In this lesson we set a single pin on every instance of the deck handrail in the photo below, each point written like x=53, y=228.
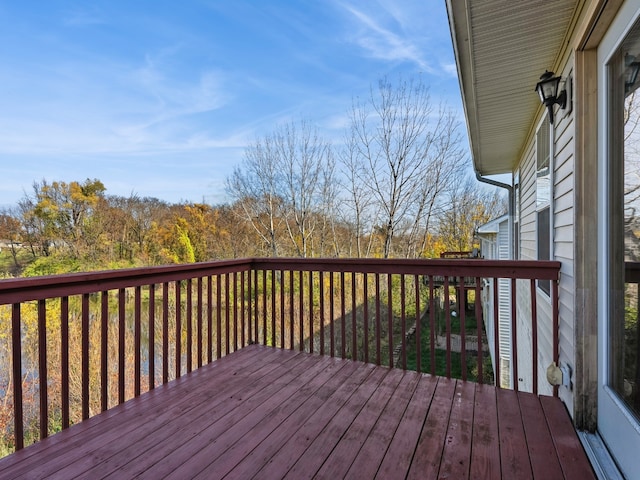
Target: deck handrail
x=195, y=313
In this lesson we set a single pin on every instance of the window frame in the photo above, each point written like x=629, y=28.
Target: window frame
x=544, y=196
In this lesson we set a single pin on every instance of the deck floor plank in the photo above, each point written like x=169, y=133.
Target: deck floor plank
x=107, y=429
x=270, y=460
x=428, y=454
x=56, y=443
x=339, y=461
x=400, y=453
x=456, y=456
x=324, y=443
x=215, y=425
x=514, y=459
x=249, y=456
x=376, y=444
x=263, y=413
x=544, y=460
x=223, y=455
x=573, y=459
x=485, y=443
x=114, y=455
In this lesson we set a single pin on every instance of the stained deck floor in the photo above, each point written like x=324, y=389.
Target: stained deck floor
x=268, y=413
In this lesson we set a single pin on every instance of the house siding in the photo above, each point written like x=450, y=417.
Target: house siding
x=504, y=295
x=588, y=55
x=564, y=234
x=528, y=206
x=528, y=251
x=495, y=246
x=562, y=250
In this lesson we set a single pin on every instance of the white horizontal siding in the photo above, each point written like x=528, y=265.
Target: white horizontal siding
x=564, y=237
x=528, y=252
x=504, y=292
x=563, y=250
x=528, y=249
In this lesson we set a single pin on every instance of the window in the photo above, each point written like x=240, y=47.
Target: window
x=624, y=223
x=543, y=196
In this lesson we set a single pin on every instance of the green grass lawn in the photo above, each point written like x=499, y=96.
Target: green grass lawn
x=441, y=355
x=7, y=264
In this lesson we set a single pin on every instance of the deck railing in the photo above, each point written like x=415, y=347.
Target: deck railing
x=74, y=345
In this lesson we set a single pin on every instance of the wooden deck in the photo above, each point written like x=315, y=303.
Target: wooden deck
x=268, y=413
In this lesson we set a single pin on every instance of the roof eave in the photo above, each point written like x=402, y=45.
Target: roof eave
x=498, y=70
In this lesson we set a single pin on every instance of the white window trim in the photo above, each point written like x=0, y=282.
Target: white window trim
x=614, y=423
x=551, y=202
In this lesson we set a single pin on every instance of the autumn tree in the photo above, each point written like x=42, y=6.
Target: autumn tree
x=233, y=238
x=60, y=213
x=11, y=230
x=469, y=206
x=127, y=223
x=178, y=247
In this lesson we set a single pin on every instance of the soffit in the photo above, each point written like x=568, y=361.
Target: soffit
x=502, y=47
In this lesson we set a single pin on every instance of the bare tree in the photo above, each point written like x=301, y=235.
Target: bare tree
x=257, y=187
x=410, y=153
x=304, y=157
x=280, y=185
x=329, y=209
x=631, y=159
x=444, y=171
x=358, y=203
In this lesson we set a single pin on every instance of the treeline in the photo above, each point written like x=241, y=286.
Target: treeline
x=64, y=227
x=395, y=187
x=76, y=226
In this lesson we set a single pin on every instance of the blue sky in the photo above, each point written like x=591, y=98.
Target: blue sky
x=159, y=98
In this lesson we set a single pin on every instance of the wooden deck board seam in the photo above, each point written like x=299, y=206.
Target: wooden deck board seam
x=263, y=392
x=353, y=399
x=401, y=391
x=287, y=408
x=294, y=442
x=364, y=421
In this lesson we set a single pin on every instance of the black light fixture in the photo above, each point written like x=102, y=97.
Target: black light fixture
x=547, y=88
x=632, y=68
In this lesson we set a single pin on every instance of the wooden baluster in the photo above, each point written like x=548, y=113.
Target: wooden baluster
x=42, y=368
x=64, y=354
x=416, y=280
x=16, y=347
x=152, y=336
x=354, y=318
x=137, y=336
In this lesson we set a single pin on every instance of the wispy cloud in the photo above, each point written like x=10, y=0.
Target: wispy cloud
x=168, y=97
x=383, y=43
x=114, y=107
x=164, y=100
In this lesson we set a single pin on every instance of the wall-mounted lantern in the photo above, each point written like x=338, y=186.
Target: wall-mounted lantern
x=547, y=88
x=632, y=68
